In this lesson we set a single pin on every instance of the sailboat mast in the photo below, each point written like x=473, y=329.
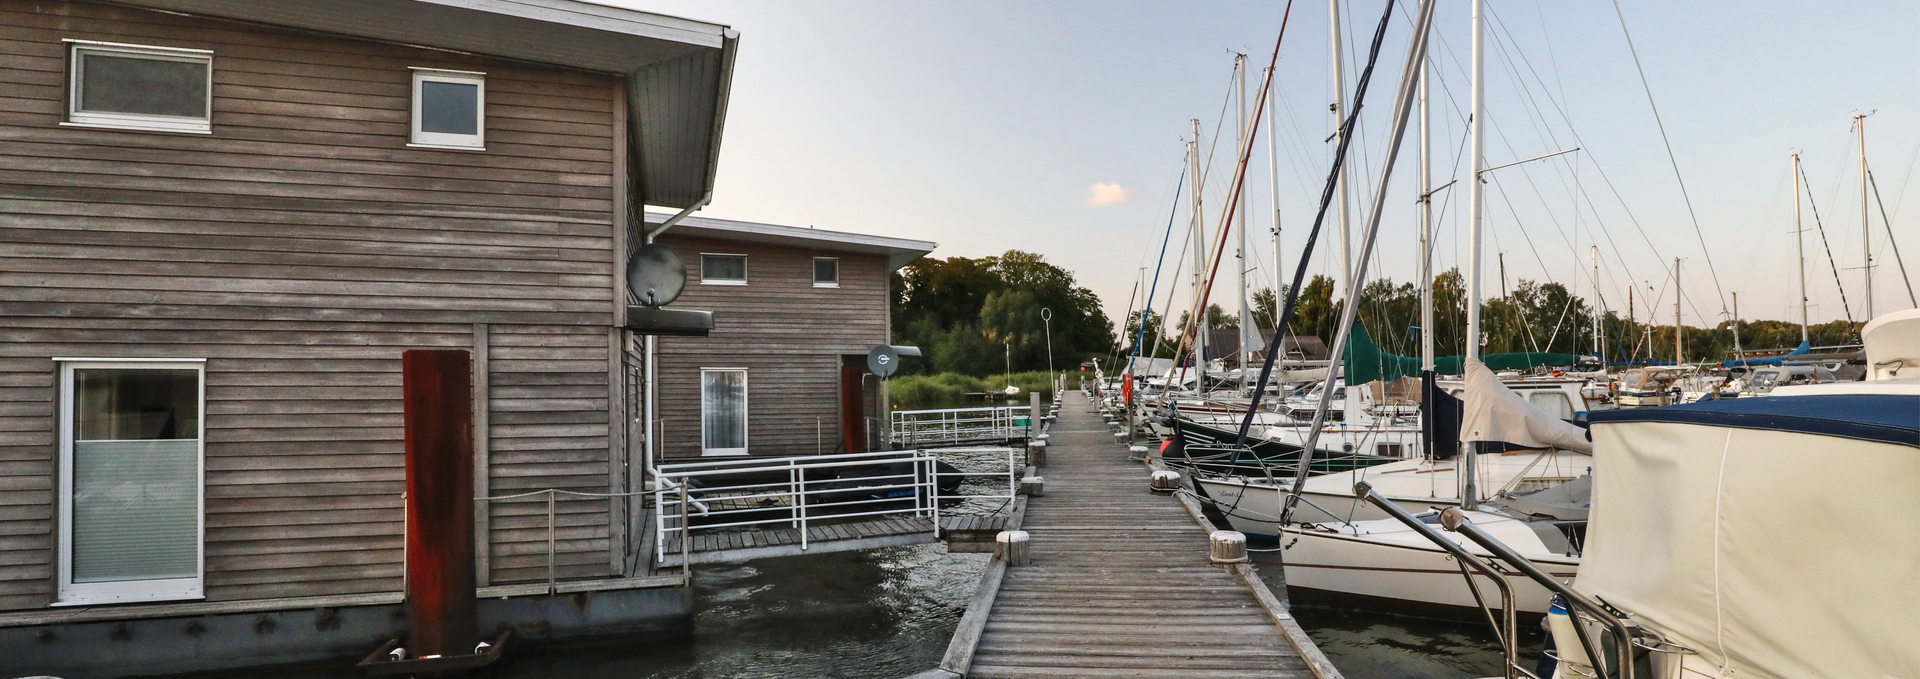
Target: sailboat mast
x=1240, y=250
x=1273, y=175
x=1599, y=306
x=1737, y=351
x=1866, y=229
x=1199, y=233
x=1339, y=115
x=1469, y=491
x=1679, y=357
x=1426, y=222
x=1799, y=250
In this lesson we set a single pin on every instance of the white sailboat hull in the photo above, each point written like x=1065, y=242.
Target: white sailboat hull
x=1252, y=505
x=1393, y=569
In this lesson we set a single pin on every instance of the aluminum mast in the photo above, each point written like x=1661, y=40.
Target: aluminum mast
x=1469, y=491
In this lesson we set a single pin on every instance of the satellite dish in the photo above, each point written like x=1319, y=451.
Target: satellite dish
x=883, y=360
x=656, y=274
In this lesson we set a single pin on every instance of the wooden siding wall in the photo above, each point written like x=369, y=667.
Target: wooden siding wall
x=788, y=334
x=299, y=249
x=549, y=397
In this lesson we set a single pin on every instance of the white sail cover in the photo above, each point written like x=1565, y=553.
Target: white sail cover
x=1155, y=367
x=1772, y=553
x=1492, y=412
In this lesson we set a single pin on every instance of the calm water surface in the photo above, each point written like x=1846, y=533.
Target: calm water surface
x=886, y=614
x=889, y=613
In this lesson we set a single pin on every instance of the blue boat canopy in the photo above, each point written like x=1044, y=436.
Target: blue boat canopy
x=1883, y=418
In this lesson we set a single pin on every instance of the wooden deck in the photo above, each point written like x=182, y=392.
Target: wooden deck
x=1120, y=583
x=728, y=545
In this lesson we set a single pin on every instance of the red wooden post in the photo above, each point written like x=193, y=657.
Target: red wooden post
x=438, y=395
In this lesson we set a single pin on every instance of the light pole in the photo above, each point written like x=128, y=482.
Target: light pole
x=1046, y=316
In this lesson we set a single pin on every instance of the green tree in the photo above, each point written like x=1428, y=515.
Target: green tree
x=963, y=304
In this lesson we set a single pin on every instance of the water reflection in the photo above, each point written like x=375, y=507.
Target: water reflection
x=1378, y=644
x=884, y=614
x=889, y=613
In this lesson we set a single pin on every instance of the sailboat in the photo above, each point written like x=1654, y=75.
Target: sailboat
x=1716, y=548
x=1387, y=560
x=1536, y=508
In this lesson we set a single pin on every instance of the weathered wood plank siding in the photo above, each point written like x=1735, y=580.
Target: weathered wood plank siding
x=549, y=429
x=300, y=248
x=789, y=336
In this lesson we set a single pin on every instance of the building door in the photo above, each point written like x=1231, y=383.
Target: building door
x=853, y=411
x=131, y=470
x=723, y=411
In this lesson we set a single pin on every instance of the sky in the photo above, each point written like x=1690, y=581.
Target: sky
x=1060, y=128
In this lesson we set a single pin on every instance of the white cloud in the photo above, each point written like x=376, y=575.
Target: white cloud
x=1107, y=194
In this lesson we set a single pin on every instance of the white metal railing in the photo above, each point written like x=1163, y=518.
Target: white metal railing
x=954, y=425
x=798, y=492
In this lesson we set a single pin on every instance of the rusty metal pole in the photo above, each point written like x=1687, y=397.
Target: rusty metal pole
x=438, y=401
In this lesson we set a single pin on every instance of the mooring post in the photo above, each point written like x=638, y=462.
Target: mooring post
x=438, y=403
x=1033, y=413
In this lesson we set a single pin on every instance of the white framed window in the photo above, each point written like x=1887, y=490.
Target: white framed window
x=826, y=272
x=132, y=480
x=723, y=411
x=723, y=269
x=449, y=109
x=139, y=87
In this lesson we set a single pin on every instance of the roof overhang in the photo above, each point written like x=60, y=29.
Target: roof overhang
x=898, y=251
x=678, y=71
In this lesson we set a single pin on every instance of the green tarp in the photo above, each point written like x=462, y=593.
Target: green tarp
x=1365, y=362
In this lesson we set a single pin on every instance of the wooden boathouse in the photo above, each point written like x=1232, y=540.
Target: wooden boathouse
x=225, y=220
x=783, y=371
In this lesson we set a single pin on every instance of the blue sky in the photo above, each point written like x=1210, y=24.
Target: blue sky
x=984, y=126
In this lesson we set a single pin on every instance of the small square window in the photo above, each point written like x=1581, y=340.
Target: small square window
x=449, y=109
x=826, y=272
x=162, y=89
x=723, y=269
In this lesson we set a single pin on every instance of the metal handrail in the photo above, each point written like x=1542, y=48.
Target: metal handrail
x=1506, y=629
x=911, y=427
x=1455, y=520
x=803, y=496
x=552, y=531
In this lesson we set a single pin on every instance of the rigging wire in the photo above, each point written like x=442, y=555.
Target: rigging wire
x=1239, y=186
x=1319, y=220
x=1146, y=311
x=1706, y=252
x=1890, y=240
x=1823, y=243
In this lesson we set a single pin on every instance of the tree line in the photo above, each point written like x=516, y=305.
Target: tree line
x=1532, y=316
x=971, y=315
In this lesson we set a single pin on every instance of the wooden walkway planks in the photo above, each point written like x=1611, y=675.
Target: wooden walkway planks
x=1120, y=584
x=742, y=545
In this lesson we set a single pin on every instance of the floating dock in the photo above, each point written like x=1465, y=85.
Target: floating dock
x=1120, y=583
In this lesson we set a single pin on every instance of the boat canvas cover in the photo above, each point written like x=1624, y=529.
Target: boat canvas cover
x=1772, y=535
x=1365, y=362
x=1156, y=367
x=1492, y=412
